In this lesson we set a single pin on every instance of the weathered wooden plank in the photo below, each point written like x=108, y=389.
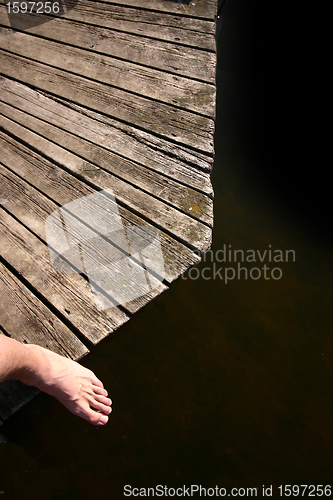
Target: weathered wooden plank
x=182, y=126
x=23, y=200
x=32, y=208
x=173, y=161
x=193, y=203
x=26, y=319
x=195, y=8
x=172, y=58
x=70, y=294
x=58, y=186
x=184, y=228
x=175, y=90
x=172, y=28
x=169, y=27
x=195, y=161
x=95, y=150
x=24, y=162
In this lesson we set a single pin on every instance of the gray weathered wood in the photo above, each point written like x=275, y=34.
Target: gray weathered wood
x=32, y=208
x=169, y=27
x=175, y=90
x=70, y=294
x=112, y=94
x=26, y=319
x=196, y=8
x=175, y=59
x=186, y=199
x=182, y=126
x=176, y=162
x=26, y=163
x=135, y=20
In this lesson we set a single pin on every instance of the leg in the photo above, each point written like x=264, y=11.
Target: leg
x=76, y=387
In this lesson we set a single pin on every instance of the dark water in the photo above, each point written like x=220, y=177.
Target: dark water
x=215, y=383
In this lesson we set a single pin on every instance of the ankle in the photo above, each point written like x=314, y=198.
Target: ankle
x=35, y=367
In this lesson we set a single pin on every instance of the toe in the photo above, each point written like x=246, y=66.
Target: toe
x=103, y=420
x=96, y=381
x=100, y=390
x=103, y=399
x=101, y=407
x=96, y=418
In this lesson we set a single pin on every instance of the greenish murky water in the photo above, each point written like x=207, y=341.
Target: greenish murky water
x=214, y=383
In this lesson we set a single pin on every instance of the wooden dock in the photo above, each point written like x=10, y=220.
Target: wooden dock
x=104, y=95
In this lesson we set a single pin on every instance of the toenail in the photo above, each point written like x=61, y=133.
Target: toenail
x=103, y=420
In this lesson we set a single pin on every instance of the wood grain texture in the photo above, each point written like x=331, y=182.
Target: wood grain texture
x=169, y=57
x=111, y=94
x=197, y=33
x=187, y=230
x=70, y=294
x=175, y=90
x=26, y=319
x=174, y=161
x=195, y=8
x=59, y=186
x=178, y=125
x=31, y=208
x=177, y=29
x=186, y=199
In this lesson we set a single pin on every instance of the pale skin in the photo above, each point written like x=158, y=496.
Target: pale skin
x=76, y=387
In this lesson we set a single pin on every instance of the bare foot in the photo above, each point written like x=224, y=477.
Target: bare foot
x=76, y=387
